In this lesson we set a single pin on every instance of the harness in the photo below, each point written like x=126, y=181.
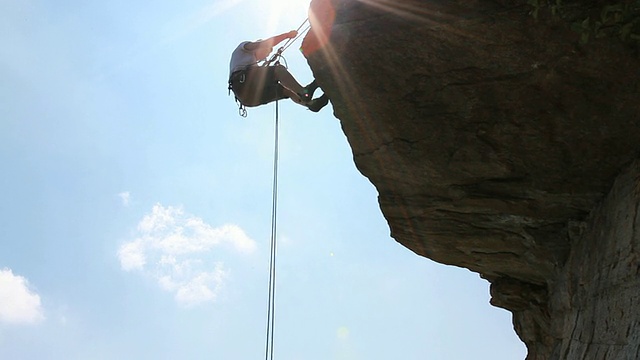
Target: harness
x=240, y=76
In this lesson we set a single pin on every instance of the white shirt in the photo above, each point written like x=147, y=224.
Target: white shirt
x=241, y=58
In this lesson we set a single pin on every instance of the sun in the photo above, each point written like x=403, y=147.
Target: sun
x=287, y=14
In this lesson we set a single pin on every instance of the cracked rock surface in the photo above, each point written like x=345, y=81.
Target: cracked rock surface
x=493, y=138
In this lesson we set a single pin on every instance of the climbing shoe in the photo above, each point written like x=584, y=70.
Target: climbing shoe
x=307, y=92
x=305, y=97
x=316, y=104
x=310, y=89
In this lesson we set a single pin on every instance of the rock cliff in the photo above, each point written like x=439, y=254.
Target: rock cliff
x=502, y=137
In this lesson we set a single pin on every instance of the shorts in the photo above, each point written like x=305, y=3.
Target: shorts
x=256, y=85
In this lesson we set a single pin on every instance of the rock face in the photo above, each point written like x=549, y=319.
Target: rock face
x=494, y=132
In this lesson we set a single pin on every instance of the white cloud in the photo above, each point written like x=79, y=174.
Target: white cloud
x=177, y=250
x=202, y=287
x=18, y=304
x=132, y=255
x=125, y=196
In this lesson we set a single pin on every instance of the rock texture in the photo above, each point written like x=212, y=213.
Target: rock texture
x=493, y=132
x=594, y=302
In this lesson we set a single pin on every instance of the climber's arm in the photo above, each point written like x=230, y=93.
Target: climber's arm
x=270, y=42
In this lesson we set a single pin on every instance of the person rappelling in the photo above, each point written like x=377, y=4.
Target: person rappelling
x=255, y=85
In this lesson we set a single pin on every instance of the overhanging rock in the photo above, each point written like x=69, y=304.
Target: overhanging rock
x=491, y=131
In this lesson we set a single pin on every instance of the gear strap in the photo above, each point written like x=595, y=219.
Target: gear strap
x=239, y=76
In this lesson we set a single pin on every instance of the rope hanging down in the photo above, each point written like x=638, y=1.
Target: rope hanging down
x=271, y=306
x=271, y=312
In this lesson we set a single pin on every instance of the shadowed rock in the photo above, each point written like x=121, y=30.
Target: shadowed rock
x=493, y=131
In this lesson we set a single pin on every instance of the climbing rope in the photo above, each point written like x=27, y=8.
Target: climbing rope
x=278, y=54
x=301, y=33
x=271, y=306
x=271, y=312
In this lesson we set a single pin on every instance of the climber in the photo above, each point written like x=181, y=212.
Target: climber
x=255, y=85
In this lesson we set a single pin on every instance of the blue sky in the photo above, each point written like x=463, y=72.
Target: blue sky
x=136, y=203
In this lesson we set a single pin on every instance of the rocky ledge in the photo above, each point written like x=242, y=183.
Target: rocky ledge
x=502, y=137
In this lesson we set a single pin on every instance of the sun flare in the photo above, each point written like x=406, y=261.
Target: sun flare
x=287, y=14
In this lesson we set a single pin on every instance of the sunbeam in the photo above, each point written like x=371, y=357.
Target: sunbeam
x=429, y=14
x=321, y=39
x=321, y=17
x=408, y=10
